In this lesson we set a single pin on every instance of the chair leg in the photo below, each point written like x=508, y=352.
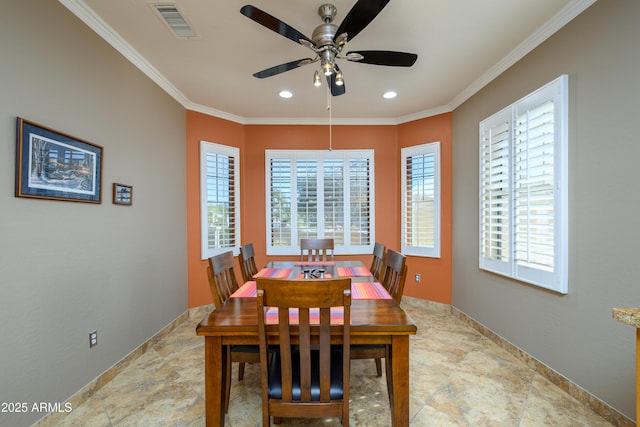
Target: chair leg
x=378, y=367
x=240, y=371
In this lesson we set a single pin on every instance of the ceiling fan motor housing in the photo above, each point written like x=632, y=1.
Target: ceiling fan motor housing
x=323, y=35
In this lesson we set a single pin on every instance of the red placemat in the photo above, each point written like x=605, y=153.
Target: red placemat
x=353, y=271
x=359, y=290
x=337, y=314
x=248, y=290
x=368, y=290
x=274, y=273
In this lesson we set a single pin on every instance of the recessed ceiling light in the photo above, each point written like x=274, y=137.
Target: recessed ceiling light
x=285, y=94
x=389, y=95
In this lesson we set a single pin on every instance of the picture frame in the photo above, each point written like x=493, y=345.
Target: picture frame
x=56, y=166
x=122, y=194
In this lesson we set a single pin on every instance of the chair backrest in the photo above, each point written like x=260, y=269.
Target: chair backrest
x=311, y=339
x=394, y=274
x=378, y=260
x=316, y=249
x=222, y=277
x=247, y=262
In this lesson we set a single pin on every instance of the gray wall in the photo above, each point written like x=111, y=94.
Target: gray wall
x=68, y=268
x=573, y=334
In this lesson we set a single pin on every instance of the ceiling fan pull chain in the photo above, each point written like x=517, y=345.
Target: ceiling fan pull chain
x=329, y=108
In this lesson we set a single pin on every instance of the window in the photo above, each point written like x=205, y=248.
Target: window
x=219, y=198
x=523, y=189
x=319, y=194
x=421, y=200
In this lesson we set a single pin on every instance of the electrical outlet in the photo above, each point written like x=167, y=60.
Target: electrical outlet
x=418, y=277
x=93, y=338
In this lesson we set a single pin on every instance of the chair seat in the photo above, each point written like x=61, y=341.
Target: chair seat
x=275, y=377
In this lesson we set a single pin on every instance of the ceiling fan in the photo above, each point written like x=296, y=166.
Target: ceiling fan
x=328, y=40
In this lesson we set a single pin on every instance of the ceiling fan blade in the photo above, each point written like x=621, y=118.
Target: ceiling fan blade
x=384, y=57
x=360, y=15
x=336, y=90
x=282, y=68
x=273, y=23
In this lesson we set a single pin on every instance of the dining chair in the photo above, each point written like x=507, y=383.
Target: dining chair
x=378, y=260
x=316, y=249
x=307, y=377
x=394, y=274
x=223, y=283
x=247, y=262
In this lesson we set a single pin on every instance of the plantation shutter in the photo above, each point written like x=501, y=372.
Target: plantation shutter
x=280, y=198
x=333, y=171
x=534, y=187
x=359, y=202
x=219, y=199
x=421, y=200
x=319, y=194
x=307, y=199
x=495, y=193
x=523, y=189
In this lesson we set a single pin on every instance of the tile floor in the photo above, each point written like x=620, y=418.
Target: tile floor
x=458, y=378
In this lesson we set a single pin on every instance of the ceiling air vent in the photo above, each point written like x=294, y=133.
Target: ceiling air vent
x=174, y=19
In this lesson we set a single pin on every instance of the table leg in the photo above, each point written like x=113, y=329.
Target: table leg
x=399, y=399
x=214, y=373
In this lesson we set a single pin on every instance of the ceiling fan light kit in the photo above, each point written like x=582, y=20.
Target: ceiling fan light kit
x=328, y=41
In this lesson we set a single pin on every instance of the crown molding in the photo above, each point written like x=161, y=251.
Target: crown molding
x=97, y=24
x=104, y=30
x=559, y=20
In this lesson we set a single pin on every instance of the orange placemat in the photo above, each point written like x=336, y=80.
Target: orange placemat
x=274, y=273
x=359, y=290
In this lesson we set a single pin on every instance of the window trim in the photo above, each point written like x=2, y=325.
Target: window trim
x=557, y=280
x=320, y=155
x=422, y=251
x=211, y=147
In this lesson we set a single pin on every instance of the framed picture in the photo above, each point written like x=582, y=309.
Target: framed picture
x=57, y=166
x=122, y=194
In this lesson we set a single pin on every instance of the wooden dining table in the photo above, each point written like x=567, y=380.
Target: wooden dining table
x=373, y=321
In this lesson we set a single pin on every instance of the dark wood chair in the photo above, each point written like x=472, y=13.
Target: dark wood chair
x=316, y=249
x=223, y=283
x=307, y=377
x=247, y=262
x=394, y=274
x=378, y=260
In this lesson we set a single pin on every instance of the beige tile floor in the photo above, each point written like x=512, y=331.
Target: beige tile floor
x=458, y=378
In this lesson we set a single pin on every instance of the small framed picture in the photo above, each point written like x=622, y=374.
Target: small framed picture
x=122, y=194
x=54, y=165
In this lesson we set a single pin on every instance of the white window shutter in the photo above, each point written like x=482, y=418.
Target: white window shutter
x=421, y=200
x=523, y=189
x=219, y=198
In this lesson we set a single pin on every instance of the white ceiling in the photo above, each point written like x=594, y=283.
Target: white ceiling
x=461, y=46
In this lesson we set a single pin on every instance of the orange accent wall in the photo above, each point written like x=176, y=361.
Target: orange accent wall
x=435, y=284
x=253, y=140
x=202, y=127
